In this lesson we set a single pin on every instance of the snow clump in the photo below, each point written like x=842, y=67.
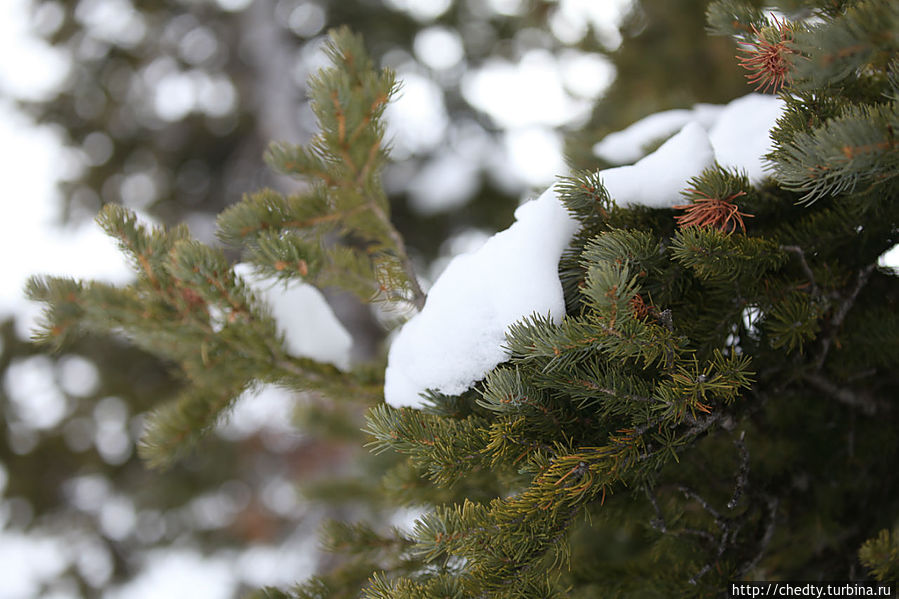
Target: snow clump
x=657, y=180
x=458, y=336
x=738, y=133
x=741, y=137
x=629, y=144
x=303, y=316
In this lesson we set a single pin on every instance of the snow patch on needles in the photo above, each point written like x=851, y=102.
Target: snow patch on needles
x=738, y=133
x=629, y=144
x=303, y=316
x=657, y=180
x=479, y=295
x=741, y=135
x=458, y=336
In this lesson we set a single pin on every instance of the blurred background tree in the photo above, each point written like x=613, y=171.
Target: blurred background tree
x=166, y=108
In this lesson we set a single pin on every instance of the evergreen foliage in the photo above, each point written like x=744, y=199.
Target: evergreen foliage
x=110, y=112
x=710, y=408
x=187, y=304
x=286, y=236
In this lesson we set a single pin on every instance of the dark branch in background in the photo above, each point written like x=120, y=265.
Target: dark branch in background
x=727, y=531
x=690, y=493
x=856, y=400
x=863, y=277
x=743, y=473
x=659, y=521
x=795, y=249
x=772, y=503
x=729, y=527
x=841, y=313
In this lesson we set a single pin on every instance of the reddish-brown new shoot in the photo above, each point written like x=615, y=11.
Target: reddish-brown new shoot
x=712, y=212
x=767, y=61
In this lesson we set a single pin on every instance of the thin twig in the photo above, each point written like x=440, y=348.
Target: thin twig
x=659, y=522
x=728, y=533
x=639, y=430
x=773, y=503
x=805, y=267
x=695, y=579
x=418, y=296
x=743, y=473
x=705, y=504
x=863, y=402
x=700, y=425
x=697, y=533
x=841, y=313
x=726, y=537
x=863, y=277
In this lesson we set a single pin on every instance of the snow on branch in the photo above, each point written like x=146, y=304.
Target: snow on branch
x=459, y=335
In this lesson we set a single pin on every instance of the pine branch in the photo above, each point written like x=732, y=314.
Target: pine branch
x=880, y=555
x=188, y=307
x=855, y=151
x=735, y=18
x=861, y=39
x=716, y=255
x=293, y=237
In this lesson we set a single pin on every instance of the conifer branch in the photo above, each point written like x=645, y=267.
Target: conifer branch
x=853, y=151
x=847, y=46
x=612, y=396
x=418, y=296
x=343, y=163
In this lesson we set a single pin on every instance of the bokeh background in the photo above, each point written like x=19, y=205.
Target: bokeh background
x=166, y=106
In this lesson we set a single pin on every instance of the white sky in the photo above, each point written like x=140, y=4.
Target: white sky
x=30, y=163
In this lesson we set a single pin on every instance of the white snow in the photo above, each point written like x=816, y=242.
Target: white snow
x=741, y=134
x=738, y=133
x=657, y=180
x=265, y=409
x=890, y=259
x=445, y=183
x=458, y=336
x=629, y=144
x=303, y=316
